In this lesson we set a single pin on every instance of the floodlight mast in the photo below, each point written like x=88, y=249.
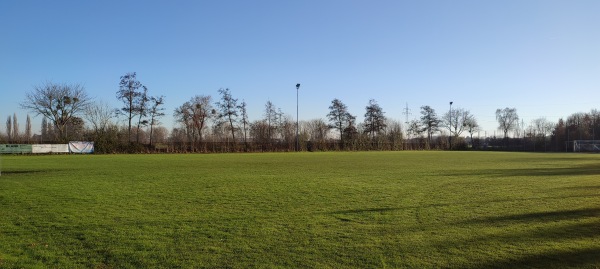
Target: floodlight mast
x=450, y=116
x=297, y=120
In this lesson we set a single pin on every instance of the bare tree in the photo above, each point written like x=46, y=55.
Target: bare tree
x=178, y=136
x=543, y=127
x=316, y=130
x=471, y=126
x=128, y=93
x=160, y=134
x=456, y=120
x=394, y=134
x=270, y=117
x=507, y=119
x=99, y=115
x=219, y=131
x=141, y=109
x=194, y=116
x=59, y=103
x=244, y=119
x=156, y=112
x=228, y=109
x=287, y=129
x=259, y=131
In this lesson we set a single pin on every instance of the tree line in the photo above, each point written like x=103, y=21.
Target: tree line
x=204, y=124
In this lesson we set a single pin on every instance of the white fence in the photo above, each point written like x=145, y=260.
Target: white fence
x=50, y=148
x=72, y=147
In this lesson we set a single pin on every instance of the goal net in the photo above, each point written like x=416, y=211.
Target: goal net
x=586, y=146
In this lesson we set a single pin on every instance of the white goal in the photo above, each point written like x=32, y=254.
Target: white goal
x=586, y=146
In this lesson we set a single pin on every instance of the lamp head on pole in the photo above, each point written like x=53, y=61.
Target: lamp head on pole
x=451, y=103
x=297, y=86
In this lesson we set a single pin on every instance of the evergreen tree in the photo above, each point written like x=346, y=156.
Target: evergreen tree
x=375, y=121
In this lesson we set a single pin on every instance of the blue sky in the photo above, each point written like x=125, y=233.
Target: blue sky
x=541, y=57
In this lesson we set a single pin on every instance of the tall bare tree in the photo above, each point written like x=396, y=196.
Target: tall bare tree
x=507, y=119
x=59, y=103
x=129, y=93
x=141, y=109
x=471, y=126
x=245, y=123
x=271, y=117
x=156, y=112
x=228, y=110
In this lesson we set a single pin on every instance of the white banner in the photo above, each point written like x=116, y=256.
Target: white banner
x=81, y=147
x=50, y=148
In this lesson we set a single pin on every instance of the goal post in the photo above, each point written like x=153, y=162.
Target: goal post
x=586, y=146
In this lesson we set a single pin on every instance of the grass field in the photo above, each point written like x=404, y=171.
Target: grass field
x=301, y=210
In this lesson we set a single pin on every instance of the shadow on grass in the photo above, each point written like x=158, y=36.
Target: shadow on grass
x=544, y=251
x=579, y=228
x=581, y=188
x=535, y=199
x=369, y=210
x=20, y=172
x=583, y=170
x=581, y=258
x=542, y=216
x=570, y=213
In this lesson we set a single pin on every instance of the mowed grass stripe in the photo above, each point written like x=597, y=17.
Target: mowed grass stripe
x=319, y=210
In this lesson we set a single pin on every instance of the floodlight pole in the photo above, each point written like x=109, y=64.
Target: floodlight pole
x=297, y=120
x=450, y=116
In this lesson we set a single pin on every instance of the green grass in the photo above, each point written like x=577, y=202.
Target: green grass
x=305, y=210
